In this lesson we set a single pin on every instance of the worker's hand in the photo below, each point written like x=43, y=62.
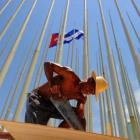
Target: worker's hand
x=56, y=92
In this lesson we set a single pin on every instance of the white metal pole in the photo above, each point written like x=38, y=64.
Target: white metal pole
x=10, y=21
x=133, y=100
x=85, y=51
x=117, y=98
x=76, y=63
x=125, y=117
x=136, y=8
x=106, y=91
x=131, y=46
x=58, y=41
x=125, y=87
x=20, y=78
x=100, y=103
x=15, y=46
x=68, y=55
x=12, y=86
x=89, y=74
x=7, y=43
x=42, y=71
x=133, y=27
x=41, y=63
x=5, y=6
x=72, y=48
x=85, y=59
x=31, y=69
x=103, y=97
x=60, y=51
x=112, y=109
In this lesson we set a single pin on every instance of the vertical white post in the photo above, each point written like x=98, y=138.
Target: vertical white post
x=15, y=46
x=133, y=27
x=72, y=48
x=20, y=78
x=125, y=87
x=106, y=91
x=10, y=21
x=112, y=109
x=12, y=86
x=103, y=97
x=60, y=51
x=117, y=98
x=68, y=55
x=85, y=51
x=131, y=46
x=5, y=6
x=89, y=74
x=100, y=103
x=7, y=42
x=125, y=117
x=58, y=41
x=85, y=59
x=27, y=81
x=41, y=63
x=136, y=8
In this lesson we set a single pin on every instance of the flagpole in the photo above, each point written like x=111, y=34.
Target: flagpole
x=76, y=64
x=31, y=69
x=103, y=97
x=12, y=86
x=136, y=8
x=125, y=117
x=85, y=55
x=100, y=103
x=106, y=91
x=7, y=43
x=68, y=55
x=73, y=47
x=59, y=57
x=89, y=74
x=20, y=78
x=10, y=21
x=133, y=100
x=112, y=109
x=41, y=63
x=58, y=42
x=117, y=98
x=85, y=60
x=42, y=71
x=14, y=47
x=131, y=46
x=1, y=11
x=136, y=120
x=133, y=27
x=60, y=50
x=125, y=87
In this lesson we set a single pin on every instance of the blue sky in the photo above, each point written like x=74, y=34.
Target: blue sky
x=75, y=14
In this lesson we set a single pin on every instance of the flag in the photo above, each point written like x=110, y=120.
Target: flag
x=77, y=34
x=54, y=40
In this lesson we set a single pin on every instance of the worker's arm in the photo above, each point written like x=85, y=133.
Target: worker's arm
x=49, y=68
x=81, y=111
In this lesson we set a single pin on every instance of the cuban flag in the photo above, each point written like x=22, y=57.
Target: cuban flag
x=77, y=34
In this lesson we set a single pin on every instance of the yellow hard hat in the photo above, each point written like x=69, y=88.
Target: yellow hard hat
x=100, y=84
